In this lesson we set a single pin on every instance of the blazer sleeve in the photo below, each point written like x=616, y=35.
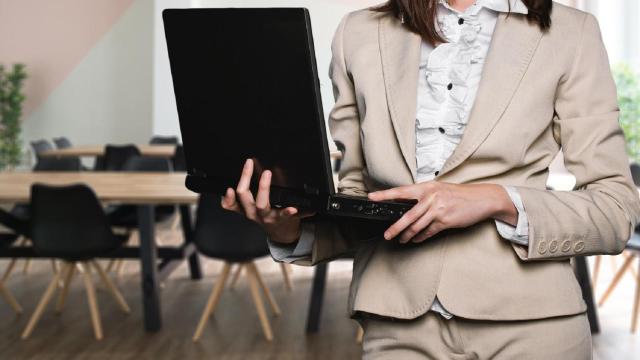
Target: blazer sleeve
x=599, y=215
x=335, y=237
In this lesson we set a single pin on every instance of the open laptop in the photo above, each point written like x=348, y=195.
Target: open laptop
x=246, y=86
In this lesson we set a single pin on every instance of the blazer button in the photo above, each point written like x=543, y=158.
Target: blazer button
x=553, y=246
x=542, y=247
x=566, y=246
x=578, y=247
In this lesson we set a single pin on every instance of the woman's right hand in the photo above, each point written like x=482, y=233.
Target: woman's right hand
x=282, y=225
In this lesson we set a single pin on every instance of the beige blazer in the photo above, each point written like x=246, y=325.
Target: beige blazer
x=539, y=92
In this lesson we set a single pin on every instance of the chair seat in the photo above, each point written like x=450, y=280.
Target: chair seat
x=126, y=216
x=6, y=239
x=229, y=236
x=84, y=254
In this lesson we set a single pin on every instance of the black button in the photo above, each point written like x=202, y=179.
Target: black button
x=441, y=130
x=450, y=86
x=437, y=172
x=460, y=21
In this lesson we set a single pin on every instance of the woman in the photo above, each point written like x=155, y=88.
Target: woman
x=462, y=105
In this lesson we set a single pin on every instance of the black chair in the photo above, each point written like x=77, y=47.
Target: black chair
x=6, y=240
x=126, y=216
x=40, y=146
x=632, y=251
x=68, y=223
x=58, y=164
x=163, y=140
x=116, y=156
x=230, y=237
x=179, y=161
x=62, y=142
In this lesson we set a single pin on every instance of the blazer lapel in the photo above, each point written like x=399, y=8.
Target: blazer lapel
x=400, y=53
x=512, y=47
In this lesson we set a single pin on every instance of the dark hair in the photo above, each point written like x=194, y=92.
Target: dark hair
x=419, y=15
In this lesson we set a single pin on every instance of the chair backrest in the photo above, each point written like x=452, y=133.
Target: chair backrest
x=115, y=156
x=68, y=222
x=163, y=140
x=635, y=173
x=179, y=161
x=58, y=164
x=145, y=163
x=62, y=142
x=40, y=146
x=225, y=234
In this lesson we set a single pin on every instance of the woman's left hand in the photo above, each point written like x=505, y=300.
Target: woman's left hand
x=445, y=205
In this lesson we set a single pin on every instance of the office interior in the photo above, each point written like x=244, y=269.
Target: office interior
x=95, y=76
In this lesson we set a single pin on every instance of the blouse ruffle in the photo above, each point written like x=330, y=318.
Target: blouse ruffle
x=443, y=112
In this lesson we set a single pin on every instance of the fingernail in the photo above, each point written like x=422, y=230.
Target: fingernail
x=386, y=236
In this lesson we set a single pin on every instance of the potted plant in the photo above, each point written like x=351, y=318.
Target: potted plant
x=629, y=100
x=11, y=100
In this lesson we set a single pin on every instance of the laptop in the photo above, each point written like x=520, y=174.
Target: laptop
x=246, y=86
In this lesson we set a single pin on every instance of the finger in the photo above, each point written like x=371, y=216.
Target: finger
x=407, y=219
x=428, y=232
x=289, y=211
x=262, y=199
x=418, y=228
x=401, y=192
x=228, y=201
x=245, y=176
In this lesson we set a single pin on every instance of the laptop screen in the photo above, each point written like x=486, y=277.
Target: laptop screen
x=246, y=86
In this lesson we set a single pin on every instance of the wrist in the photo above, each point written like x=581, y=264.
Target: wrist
x=502, y=207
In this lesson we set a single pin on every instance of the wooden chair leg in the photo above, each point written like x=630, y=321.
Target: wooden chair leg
x=626, y=254
x=93, y=302
x=27, y=266
x=110, y=265
x=616, y=279
x=255, y=293
x=68, y=269
x=359, y=335
x=636, y=302
x=10, y=299
x=212, y=302
x=236, y=275
x=596, y=272
x=44, y=301
x=117, y=295
x=265, y=289
x=9, y=270
x=119, y=268
x=285, y=274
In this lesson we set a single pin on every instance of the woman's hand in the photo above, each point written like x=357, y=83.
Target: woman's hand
x=282, y=225
x=444, y=205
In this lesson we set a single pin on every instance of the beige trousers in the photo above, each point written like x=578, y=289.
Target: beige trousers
x=433, y=337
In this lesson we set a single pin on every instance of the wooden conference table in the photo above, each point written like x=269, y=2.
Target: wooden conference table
x=165, y=151
x=141, y=189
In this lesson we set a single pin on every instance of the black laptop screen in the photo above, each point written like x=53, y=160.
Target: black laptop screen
x=246, y=86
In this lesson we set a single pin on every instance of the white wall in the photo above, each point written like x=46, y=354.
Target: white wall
x=325, y=15
x=107, y=98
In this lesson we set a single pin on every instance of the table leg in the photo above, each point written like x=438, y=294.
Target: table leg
x=584, y=279
x=149, y=266
x=187, y=231
x=317, y=297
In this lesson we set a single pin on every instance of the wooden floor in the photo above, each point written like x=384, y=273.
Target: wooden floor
x=234, y=330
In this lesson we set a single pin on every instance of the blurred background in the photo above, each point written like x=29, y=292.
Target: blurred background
x=94, y=76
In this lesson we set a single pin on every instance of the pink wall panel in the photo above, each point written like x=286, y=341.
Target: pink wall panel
x=51, y=37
